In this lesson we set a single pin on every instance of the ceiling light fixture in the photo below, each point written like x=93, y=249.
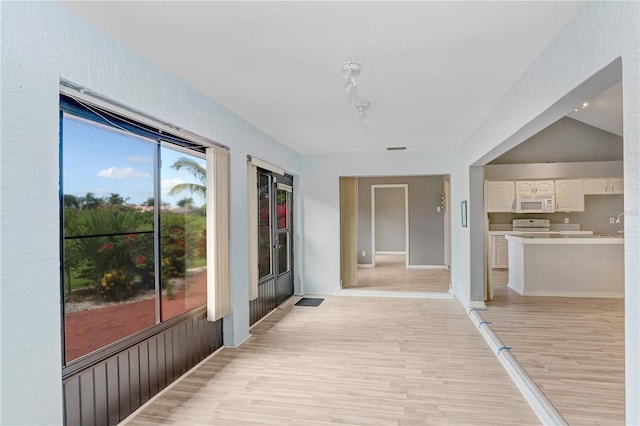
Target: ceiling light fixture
x=350, y=71
x=583, y=106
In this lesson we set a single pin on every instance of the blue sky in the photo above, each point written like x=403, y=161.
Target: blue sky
x=104, y=162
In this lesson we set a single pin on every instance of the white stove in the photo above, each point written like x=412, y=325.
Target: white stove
x=531, y=225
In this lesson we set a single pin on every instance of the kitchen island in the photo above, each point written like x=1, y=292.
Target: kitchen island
x=566, y=265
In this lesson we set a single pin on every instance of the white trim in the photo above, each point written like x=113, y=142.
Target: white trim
x=392, y=253
x=476, y=304
x=428, y=267
x=266, y=165
x=551, y=293
x=366, y=265
x=252, y=210
x=356, y=292
x=284, y=187
x=406, y=220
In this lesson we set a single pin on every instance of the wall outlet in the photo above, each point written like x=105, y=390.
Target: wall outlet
x=566, y=220
x=612, y=220
x=364, y=253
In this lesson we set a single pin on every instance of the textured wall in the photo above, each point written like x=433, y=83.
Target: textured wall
x=42, y=43
x=600, y=33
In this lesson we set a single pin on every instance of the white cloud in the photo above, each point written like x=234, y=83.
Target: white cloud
x=140, y=159
x=122, y=173
x=167, y=184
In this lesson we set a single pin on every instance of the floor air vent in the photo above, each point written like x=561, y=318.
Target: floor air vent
x=309, y=301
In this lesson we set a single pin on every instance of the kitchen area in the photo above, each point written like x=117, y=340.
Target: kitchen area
x=554, y=214
x=558, y=237
x=556, y=283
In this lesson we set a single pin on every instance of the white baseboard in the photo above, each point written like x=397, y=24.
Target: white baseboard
x=391, y=252
x=356, y=292
x=366, y=265
x=606, y=295
x=428, y=267
x=476, y=304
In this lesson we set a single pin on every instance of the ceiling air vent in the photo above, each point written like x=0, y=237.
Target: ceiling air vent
x=396, y=148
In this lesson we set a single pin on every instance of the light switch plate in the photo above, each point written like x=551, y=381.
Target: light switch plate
x=612, y=220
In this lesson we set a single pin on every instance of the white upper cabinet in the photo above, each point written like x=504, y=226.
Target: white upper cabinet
x=616, y=185
x=499, y=195
x=603, y=186
x=569, y=195
x=534, y=187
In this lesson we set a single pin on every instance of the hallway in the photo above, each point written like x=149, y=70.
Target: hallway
x=352, y=360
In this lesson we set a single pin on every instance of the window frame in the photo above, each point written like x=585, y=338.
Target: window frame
x=181, y=141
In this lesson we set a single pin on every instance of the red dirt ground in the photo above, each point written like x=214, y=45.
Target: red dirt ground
x=86, y=331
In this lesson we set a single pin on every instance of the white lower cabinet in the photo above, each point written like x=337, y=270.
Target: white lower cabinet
x=499, y=252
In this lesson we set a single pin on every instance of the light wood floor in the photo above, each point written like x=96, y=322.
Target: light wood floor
x=572, y=348
x=391, y=273
x=352, y=360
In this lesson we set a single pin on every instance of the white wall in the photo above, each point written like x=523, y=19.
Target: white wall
x=42, y=43
x=321, y=204
x=599, y=33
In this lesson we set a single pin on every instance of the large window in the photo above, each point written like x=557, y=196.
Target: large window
x=133, y=225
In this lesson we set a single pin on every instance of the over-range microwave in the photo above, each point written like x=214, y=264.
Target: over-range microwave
x=534, y=204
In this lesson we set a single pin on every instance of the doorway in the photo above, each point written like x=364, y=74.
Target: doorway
x=390, y=223
x=275, y=267
x=414, y=258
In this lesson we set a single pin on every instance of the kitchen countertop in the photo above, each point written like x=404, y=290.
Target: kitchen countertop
x=541, y=233
x=555, y=238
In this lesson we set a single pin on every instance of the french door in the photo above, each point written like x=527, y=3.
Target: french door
x=275, y=245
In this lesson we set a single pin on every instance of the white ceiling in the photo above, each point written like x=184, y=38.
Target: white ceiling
x=432, y=71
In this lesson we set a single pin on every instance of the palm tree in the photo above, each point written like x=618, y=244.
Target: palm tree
x=185, y=202
x=199, y=172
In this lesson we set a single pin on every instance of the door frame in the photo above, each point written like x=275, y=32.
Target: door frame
x=405, y=186
x=283, y=183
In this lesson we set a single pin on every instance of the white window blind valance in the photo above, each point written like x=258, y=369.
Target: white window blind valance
x=218, y=286
x=265, y=165
x=252, y=194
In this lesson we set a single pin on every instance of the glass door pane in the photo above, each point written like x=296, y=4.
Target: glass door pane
x=281, y=209
x=283, y=252
x=264, y=225
x=183, y=236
